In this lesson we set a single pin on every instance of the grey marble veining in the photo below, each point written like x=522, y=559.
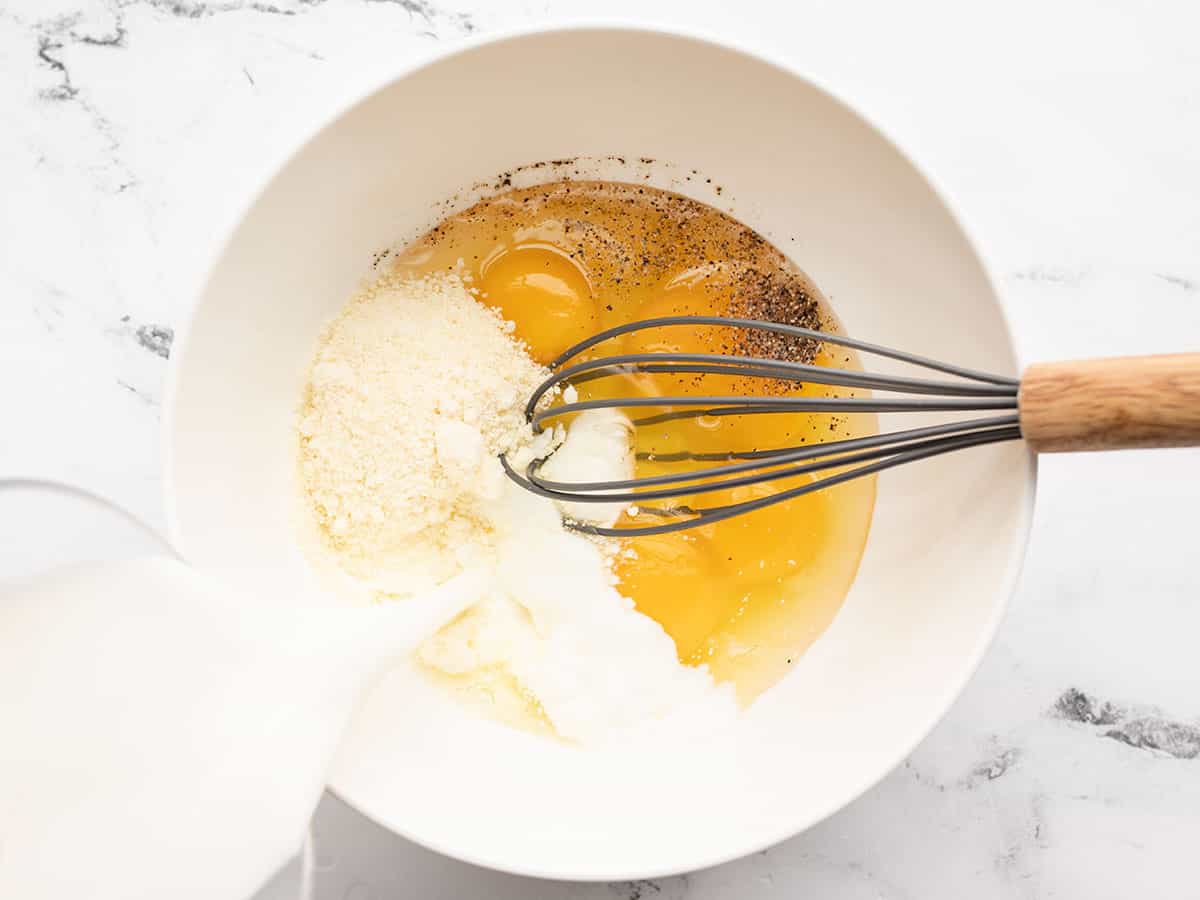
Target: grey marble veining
x=1067, y=134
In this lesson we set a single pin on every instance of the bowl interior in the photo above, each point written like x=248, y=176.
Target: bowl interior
x=806, y=172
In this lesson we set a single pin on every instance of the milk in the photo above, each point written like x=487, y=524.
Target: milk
x=159, y=728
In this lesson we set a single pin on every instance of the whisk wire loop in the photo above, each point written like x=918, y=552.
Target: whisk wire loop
x=788, y=330
x=834, y=461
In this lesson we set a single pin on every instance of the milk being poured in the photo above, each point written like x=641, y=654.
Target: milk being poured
x=162, y=729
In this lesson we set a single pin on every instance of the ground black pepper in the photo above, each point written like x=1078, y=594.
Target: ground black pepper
x=677, y=239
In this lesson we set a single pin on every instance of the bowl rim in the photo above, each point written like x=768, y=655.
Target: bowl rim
x=303, y=135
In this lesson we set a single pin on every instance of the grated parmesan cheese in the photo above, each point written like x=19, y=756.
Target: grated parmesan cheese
x=414, y=383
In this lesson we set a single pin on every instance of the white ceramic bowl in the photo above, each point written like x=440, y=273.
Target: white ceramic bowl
x=806, y=172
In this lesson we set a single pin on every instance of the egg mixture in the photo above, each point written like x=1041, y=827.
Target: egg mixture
x=562, y=261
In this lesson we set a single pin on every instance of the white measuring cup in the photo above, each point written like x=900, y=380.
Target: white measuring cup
x=163, y=737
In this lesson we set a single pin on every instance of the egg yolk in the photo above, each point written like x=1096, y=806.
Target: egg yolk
x=544, y=294
x=654, y=576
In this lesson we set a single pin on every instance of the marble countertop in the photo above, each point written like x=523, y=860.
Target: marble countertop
x=1069, y=135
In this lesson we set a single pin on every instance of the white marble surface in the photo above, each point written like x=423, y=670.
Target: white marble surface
x=1069, y=134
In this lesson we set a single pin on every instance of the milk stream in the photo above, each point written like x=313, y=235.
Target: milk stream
x=163, y=735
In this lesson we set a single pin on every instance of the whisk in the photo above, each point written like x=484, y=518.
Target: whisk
x=1105, y=404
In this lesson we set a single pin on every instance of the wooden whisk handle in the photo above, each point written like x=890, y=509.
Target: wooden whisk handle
x=1112, y=404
